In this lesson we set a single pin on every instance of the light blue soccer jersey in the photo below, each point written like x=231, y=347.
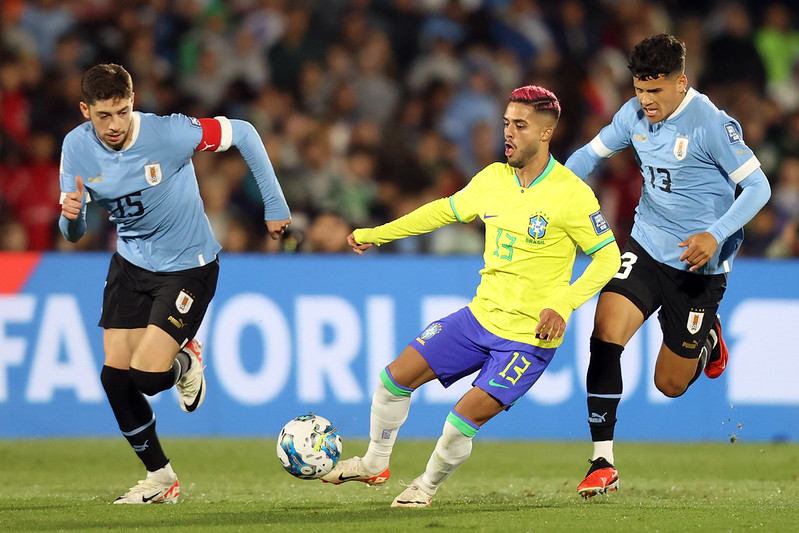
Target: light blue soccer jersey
x=691, y=163
x=150, y=188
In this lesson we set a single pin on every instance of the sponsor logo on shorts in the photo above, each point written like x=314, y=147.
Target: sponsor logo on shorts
x=690, y=345
x=495, y=384
x=183, y=302
x=177, y=322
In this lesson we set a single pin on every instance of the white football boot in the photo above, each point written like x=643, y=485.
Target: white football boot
x=161, y=486
x=191, y=386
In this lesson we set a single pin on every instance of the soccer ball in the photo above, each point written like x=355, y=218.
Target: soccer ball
x=308, y=446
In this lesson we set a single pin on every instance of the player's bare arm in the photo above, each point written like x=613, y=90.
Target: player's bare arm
x=699, y=248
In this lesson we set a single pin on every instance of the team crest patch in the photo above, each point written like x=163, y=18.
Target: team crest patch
x=600, y=223
x=431, y=330
x=153, y=173
x=538, y=227
x=733, y=135
x=695, y=321
x=681, y=148
x=183, y=303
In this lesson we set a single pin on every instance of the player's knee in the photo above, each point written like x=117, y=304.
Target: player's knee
x=113, y=379
x=151, y=383
x=670, y=386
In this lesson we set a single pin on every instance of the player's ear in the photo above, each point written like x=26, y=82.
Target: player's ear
x=131, y=99
x=546, y=133
x=682, y=83
x=85, y=110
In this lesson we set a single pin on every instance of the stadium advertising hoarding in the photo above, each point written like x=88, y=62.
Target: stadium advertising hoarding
x=291, y=334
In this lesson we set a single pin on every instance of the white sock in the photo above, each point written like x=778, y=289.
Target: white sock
x=389, y=412
x=603, y=448
x=452, y=450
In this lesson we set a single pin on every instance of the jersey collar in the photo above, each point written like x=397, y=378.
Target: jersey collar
x=540, y=178
x=689, y=95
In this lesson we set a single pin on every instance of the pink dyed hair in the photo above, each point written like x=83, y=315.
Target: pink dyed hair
x=540, y=98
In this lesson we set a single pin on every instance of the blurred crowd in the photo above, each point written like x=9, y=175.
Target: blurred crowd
x=370, y=108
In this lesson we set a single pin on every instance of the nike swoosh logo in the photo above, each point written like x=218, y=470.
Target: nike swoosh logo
x=196, y=401
x=146, y=499
x=489, y=216
x=342, y=477
x=493, y=384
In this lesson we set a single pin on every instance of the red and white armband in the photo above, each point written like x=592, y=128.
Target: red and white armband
x=217, y=135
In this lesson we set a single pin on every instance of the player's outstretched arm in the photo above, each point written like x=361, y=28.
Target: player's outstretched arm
x=276, y=210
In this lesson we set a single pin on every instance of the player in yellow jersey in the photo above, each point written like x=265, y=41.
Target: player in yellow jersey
x=536, y=213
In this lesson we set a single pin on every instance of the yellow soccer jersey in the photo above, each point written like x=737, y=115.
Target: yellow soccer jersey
x=531, y=236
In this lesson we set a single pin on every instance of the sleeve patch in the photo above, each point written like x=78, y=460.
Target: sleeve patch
x=195, y=122
x=733, y=134
x=599, y=222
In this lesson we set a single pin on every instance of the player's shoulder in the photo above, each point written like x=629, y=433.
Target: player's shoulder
x=703, y=111
x=174, y=119
x=492, y=172
x=713, y=123
x=79, y=133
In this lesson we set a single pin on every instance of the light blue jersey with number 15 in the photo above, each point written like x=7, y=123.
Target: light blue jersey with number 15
x=150, y=189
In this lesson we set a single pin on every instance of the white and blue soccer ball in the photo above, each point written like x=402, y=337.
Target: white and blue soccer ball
x=309, y=446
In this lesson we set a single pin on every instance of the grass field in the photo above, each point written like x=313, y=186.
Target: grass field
x=238, y=485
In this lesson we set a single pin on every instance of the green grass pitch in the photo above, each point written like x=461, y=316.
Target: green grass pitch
x=238, y=485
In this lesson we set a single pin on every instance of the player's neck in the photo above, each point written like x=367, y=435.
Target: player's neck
x=529, y=172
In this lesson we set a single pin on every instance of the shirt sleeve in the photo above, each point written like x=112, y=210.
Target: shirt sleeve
x=726, y=147
x=611, y=139
x=72, y=230
x=218, y=134
x=586, y=225
x=425, y=219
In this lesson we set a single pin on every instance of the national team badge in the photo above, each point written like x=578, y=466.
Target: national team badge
x=538, y=227
x=183, y=303
x=153, y=173
x=681, y=148
x=431, y=330
x=695, y=321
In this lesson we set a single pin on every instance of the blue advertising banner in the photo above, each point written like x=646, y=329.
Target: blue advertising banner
x=290, y=334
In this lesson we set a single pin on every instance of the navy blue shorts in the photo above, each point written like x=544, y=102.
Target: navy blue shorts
x=458, y=345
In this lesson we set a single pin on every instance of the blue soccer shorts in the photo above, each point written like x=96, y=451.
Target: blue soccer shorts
x=458, y=345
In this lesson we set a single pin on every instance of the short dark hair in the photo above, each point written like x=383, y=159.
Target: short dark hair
x=542, y=100
x=657, y=55
x=105, y=82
